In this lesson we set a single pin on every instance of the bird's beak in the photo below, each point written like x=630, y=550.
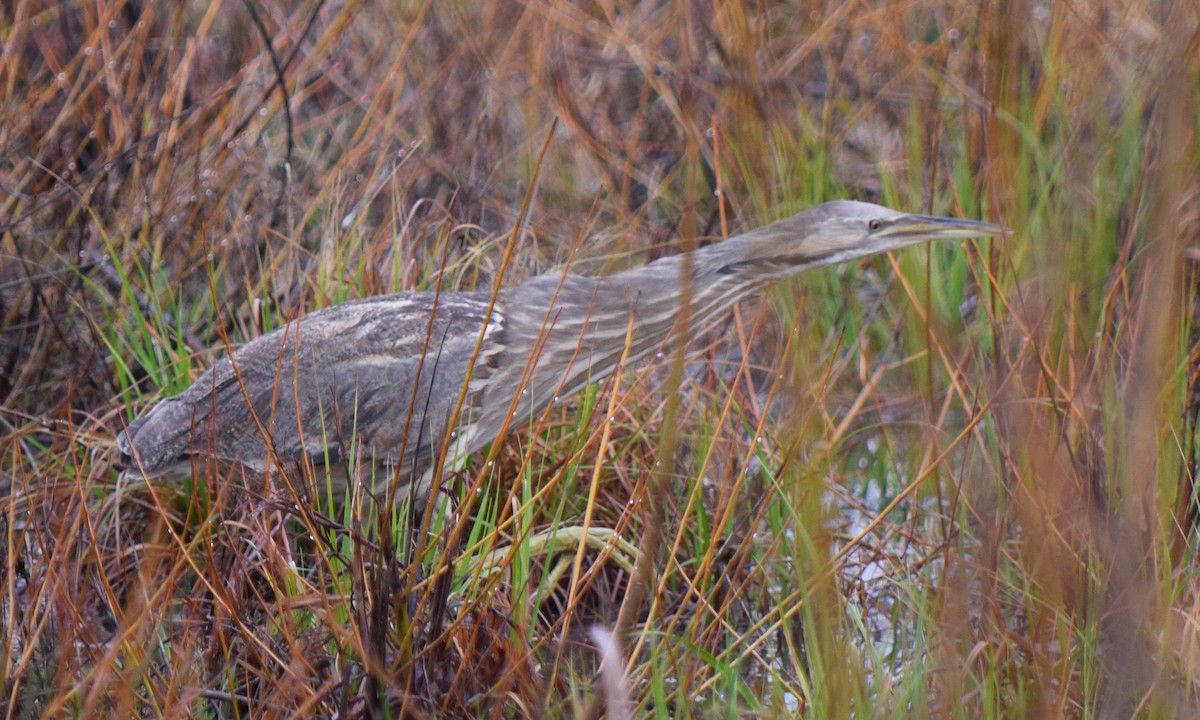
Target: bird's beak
x=918, y=228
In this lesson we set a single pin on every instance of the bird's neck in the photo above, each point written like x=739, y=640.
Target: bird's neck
x=709, y=280
x=579, y=328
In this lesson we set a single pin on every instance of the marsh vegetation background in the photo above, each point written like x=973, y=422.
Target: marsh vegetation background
x=956, y=482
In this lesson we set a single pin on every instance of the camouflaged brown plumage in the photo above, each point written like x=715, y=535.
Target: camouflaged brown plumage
x=379, y=378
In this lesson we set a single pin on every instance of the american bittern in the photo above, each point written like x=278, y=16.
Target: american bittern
x=384, y=374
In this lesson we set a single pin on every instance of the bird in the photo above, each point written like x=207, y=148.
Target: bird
x=370, y=389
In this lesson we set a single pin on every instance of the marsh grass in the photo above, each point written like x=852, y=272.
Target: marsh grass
x=957, y=482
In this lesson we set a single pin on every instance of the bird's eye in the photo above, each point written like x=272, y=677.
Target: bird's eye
x=874, y=225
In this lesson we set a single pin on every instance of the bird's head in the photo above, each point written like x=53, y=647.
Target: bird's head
x=837, y=232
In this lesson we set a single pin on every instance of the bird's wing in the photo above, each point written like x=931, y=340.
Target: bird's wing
x=379, y=374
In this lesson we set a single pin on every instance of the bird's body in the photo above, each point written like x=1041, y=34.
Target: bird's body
x=379, y=379
x=338, y=383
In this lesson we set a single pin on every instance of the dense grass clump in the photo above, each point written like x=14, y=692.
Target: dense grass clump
x=955, y=482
